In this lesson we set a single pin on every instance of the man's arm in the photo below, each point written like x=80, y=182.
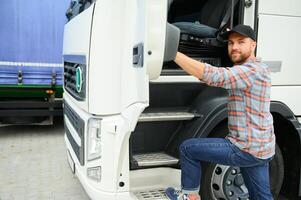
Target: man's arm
x=191, y=66
x=237, y=77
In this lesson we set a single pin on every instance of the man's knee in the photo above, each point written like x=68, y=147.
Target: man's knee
x=185, y=146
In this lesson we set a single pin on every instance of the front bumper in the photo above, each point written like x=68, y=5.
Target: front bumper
x=93, y=192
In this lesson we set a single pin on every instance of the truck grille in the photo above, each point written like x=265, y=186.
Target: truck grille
x=79, y=125
x=76, y=88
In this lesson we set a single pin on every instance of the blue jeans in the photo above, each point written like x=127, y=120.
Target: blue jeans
x=255, y=171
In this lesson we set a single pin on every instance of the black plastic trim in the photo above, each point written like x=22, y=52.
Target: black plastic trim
x=256, y=22
x=281, y=108
x=79, y=151
x=79, y=125
x=173, y=72
x=211, y=105
x=241, y=13
x=285, y=111
x=30, y=108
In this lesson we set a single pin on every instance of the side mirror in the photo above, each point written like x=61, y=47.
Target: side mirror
x=171, y=42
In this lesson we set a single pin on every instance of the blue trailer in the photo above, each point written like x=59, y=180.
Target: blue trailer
x=31, y=69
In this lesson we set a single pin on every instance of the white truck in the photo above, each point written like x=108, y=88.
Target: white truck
x=128, y=107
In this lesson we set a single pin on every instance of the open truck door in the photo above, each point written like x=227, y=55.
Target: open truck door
x=132, y=51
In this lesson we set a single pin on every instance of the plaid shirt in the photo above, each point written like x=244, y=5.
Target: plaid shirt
x=249, y=119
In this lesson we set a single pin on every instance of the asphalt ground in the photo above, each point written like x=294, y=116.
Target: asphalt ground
x=34, y=166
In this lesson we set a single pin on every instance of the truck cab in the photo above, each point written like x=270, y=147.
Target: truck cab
x=128, y=106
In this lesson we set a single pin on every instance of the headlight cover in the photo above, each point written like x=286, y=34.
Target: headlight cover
x=94, y=139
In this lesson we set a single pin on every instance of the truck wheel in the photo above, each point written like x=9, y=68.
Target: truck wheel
x=220, y=182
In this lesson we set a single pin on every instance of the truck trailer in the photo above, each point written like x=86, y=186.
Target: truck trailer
x=31, y=67
x=128, y=106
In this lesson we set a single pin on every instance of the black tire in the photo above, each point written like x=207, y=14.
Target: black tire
x=276, y=170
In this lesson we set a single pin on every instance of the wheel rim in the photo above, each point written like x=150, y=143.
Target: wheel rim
x=227, y=184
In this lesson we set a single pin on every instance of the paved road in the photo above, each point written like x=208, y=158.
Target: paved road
x=33, y=165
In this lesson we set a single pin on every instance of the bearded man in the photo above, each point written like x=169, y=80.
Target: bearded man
x=250, y=143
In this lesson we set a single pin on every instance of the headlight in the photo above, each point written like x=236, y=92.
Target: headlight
x=94, y=139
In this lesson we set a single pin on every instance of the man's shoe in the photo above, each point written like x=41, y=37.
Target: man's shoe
x=173, y=194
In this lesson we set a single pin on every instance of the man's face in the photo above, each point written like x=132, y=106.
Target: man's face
x=240, y=48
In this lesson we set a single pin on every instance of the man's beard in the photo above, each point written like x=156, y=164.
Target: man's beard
x=239, y=57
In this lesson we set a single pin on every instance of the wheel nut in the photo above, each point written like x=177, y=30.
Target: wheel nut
x=233, y=171
x=229, y=182
x=230, y=193
x=218, y=170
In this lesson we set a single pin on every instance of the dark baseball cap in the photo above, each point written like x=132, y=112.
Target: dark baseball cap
x=242, y=30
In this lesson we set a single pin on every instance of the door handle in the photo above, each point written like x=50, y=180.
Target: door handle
x=138, y=55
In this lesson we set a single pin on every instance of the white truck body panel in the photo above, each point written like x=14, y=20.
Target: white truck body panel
x=289, y=95
x=280, y=7
x=79, y=30
x=279, y=29
x=113, y=58
x=278, y=40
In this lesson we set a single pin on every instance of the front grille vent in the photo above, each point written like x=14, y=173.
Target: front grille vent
x=77, y=123
x=79, y=126
x=75, y=80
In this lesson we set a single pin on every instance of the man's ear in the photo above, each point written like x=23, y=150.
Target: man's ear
x=254, y=45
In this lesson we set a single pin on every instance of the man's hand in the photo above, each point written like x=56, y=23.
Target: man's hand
x=191, y=66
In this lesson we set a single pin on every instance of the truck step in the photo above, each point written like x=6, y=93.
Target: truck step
x=166, y=116
x=154, y=194
x=154, y=159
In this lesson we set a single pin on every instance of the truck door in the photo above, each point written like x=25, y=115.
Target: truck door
x=127, y=50
x=156, y=38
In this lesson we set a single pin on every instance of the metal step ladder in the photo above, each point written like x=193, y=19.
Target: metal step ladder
x=154, y=159
x=179, y=115
x=161, y=114
x=153, y=194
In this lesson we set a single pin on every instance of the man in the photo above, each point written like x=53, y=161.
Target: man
x=250, y=143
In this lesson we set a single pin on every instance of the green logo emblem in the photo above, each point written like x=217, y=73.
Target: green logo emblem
x=79, y=79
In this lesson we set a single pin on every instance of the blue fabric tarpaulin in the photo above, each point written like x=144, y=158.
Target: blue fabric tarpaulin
x=31, y=40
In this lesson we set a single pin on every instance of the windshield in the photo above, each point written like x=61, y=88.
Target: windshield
x=77, y=6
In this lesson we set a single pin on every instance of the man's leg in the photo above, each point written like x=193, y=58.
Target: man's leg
x=192, y=151
x=220, y=151
x=257, y=181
